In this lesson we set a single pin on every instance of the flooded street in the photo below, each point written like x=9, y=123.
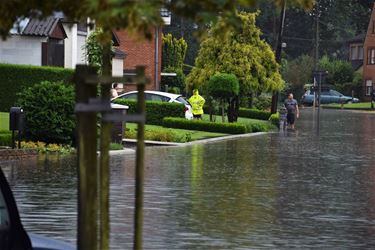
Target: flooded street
x=275, y=191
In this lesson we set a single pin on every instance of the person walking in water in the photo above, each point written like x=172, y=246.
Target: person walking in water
x=196, y=101
x=291, y=106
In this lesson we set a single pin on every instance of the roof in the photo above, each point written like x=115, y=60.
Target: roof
x=42, y=27
x=119, y=54
x=357, y=39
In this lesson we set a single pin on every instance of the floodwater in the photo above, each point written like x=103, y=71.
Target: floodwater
x=275, y=191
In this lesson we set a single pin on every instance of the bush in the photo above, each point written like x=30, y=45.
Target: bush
x=49, y=112
x=254, y=114
x=228, y=128
x=222, y=86
x=173, y=82
x=263, y=102
x=6, y=138
x=163, y=134
x=15, y=78
x=155, y=111
x=275, y=119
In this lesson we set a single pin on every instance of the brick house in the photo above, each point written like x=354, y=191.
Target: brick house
x=369, y=59
x=140, y=51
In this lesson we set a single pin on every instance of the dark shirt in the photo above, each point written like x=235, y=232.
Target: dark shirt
x=373, y=95
x=291, y=105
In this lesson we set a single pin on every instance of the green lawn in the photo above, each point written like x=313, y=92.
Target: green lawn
x=359, y=105
x=179, y=133
x=242, y=120
x=4, y=121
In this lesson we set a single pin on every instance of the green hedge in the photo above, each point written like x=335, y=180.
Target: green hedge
x=254, y=114
x=228, y=128
x=155, y=111
x=6, y=138
x=15, y=78
x=275, y=119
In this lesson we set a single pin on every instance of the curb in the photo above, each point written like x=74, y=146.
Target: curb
x=210, y=140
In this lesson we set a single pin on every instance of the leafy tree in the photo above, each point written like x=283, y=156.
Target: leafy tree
x=94, y=50
x=174, y=51
x=226, y=88
x=240, y=52
x=339, y=71
x=297, y=73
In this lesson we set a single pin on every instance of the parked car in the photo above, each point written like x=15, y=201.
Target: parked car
x=12, y=233
x=160, y=96
x=327, y=96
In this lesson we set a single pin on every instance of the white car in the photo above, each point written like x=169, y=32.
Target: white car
x=159, y=96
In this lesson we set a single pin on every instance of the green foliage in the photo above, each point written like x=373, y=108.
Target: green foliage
x=42, y=147
x=229, y=128
x=174, y=52
x=5, y=138
x=339, y=71
x=297, y=73
x=162, y=134
x=115, y=146
x=15, y=78
x=275, y=119
x=241, y=52
x=222, y=85
x=155, y=111
x=93, y=49
x=262, y=102
x=49, y=115
x=173, y=82
x=254, y=114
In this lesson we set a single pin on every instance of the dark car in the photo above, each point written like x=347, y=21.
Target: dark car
x=327, y=96
x=12, y=234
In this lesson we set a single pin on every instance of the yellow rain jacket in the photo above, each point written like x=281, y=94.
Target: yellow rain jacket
x=197, y=103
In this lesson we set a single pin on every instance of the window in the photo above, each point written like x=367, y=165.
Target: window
x=368, y=87
x=353, y=52
x=371, y=56
x=360, y=52
x=132, y=96
x=154, y=97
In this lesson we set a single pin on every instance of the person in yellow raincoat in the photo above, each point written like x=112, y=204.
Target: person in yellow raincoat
x=196, y=101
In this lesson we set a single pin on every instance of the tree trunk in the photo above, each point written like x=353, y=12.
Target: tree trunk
x=236, y=108
x=222, y=110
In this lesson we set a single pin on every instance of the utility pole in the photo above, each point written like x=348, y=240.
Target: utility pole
x=275, y=95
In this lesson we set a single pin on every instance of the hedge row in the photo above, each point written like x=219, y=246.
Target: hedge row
x=254, y=114
x=228, y=128
x=155, y=111
x=15, y=78
x=6, y=138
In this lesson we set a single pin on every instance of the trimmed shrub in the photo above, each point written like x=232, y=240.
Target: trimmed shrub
x=15, y=78
x=254, y=114
x=275, y=119
x=49, y=112
x=155, y=111
x=263, y=102
x=162, y=134
x=228, y=128
x=6, y=138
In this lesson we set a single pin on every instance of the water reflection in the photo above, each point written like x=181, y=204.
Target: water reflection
x=282, y=190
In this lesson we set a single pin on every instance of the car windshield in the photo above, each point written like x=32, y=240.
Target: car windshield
x=334, y=92
x=182, y=100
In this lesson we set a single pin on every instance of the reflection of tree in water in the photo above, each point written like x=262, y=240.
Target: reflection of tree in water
x=233, y=193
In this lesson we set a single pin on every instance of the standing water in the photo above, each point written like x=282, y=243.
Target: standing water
x=281, y=190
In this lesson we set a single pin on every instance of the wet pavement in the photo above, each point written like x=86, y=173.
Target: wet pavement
x=276, y=191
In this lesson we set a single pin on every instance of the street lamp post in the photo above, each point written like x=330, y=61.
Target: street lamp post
x=279, y=46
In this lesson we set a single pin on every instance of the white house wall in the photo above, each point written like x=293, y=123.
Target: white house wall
x=81, y=40
x=21, y=50
x=68, y=45
x=117, y=67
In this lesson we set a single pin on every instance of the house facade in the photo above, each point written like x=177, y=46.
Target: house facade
x=35, y=42
x=52, y=41
x=369, y=59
